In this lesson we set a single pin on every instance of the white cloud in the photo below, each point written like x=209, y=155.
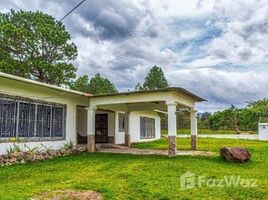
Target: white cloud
x=216, y=48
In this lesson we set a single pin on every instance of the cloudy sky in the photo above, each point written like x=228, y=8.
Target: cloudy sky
x=217, y=49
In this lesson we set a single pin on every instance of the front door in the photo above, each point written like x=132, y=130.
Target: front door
x=101, y=134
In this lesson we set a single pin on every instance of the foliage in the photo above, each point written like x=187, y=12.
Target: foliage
x=81, y=84
x=97, y=85
x=69, y=145
x=155, y=79
x=34, y=45
x=240, y=119
x=123, y=176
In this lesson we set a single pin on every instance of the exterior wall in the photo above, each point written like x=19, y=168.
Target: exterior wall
x=119, y=135
x=26, y=90
x=263, y=131
x=134, y=125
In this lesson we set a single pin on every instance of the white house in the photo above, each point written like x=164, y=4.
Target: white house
x=39, y=113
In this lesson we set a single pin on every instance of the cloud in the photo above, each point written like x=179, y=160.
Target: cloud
x=217, y=49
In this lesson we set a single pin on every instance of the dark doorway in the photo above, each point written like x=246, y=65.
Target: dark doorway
x=101, y=134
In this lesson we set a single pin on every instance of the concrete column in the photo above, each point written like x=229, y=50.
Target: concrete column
x=127, y=133
x=172, y=129
x=91, y=129
x=193, y=129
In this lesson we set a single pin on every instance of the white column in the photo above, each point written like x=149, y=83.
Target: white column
x=172, y=121
x=193, y=129
x=91, y=120
x=91, y=129
x=116, y=127
x=193, y=122
x=172, y=129
x=127, y=132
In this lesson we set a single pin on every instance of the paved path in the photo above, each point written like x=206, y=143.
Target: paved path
x=135, y=151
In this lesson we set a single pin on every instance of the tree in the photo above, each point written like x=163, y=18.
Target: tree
x=34, y=45
x=97, y=85
x=101, y=85
x=81, y=84
x=155, y=79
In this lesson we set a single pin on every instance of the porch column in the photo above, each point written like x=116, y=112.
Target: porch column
x=172, y=129
x=91, y=129
x=193, y=129
x=127, y=133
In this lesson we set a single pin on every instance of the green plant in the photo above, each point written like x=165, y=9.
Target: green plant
x=69, y=145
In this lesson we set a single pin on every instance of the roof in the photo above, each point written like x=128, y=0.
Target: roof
x=25, y=80
x=169, y=89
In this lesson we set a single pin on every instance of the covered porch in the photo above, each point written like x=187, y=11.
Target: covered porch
x=168, y=101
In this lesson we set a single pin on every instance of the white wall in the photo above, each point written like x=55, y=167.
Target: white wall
x=17, y=88
x=263, y=131
x=134, y=125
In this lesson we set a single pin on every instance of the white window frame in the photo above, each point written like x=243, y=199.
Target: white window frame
x=17, y=119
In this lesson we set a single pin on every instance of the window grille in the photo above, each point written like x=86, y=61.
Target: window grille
x=147, y=127
x=31, y=120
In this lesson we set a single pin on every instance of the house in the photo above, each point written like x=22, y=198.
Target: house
x=42, y=114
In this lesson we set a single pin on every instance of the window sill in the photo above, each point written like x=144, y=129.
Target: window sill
x=8, y=140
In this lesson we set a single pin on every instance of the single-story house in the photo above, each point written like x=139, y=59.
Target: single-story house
x=43, y=114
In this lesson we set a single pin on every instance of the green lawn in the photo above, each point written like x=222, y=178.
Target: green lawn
x=206, y=131
x=120, y=176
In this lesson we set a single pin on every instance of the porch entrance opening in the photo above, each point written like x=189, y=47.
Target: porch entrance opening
x=101, y=128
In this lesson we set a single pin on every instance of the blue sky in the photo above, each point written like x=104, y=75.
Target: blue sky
x=214, y=48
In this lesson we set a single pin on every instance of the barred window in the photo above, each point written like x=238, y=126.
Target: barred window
x=30, y=120
x=147, y=127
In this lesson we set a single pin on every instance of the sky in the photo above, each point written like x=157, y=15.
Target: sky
x=216, y=49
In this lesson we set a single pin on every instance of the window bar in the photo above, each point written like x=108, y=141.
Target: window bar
x=29, y=121
x=50, y=123
x=63, y=123
x=35, y=121
x=18, y=118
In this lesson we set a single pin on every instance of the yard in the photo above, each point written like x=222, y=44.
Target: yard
x=119, y=176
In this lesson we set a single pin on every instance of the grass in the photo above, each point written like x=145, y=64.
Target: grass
x=119, y=176
x=206, y=131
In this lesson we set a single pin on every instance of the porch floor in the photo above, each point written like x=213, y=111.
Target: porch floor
x=127, y=150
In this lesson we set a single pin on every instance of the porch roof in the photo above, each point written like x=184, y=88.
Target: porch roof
x=175, y=89
x=146, y=100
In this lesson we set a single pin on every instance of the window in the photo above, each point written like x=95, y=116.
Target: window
x=147, y=127
x=30, y=120
x=121, y=122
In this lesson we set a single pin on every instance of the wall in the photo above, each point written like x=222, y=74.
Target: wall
x=119, y=135
x=134, y=125
x=17, y=88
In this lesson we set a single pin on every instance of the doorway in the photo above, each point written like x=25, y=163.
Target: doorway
x=101, y=128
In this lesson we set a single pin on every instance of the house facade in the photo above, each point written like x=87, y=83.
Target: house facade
x=45, y=115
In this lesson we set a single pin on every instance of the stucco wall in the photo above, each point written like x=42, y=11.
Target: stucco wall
x=134, y=125
x=17, y=88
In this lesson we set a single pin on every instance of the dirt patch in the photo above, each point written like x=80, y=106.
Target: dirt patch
x=69, y=195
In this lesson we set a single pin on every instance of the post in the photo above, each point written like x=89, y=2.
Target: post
x=193, y=129
x=91, y=129
x=127, y=133
x=172, y=129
